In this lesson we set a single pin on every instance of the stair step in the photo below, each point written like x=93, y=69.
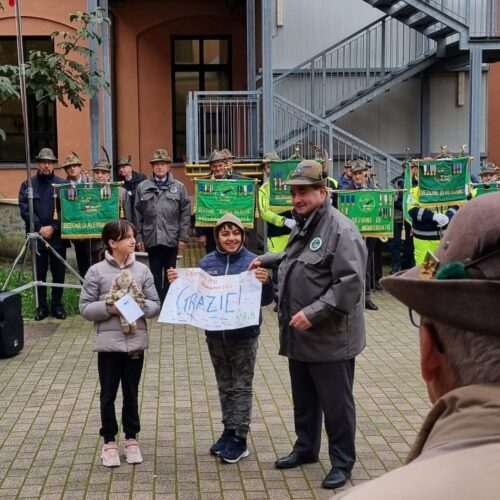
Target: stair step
x=420, y=21
x=402, y=11
x=437, y=33
x=383, y=3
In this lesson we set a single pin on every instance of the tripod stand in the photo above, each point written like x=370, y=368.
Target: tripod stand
x=30, y=242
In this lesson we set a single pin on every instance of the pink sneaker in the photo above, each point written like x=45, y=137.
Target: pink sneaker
x=110, y=456
x=132, y=451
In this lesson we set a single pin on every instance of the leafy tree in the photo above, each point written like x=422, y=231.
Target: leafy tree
x=63, y=75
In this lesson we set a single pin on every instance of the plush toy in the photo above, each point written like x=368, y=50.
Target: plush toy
x=124, y=283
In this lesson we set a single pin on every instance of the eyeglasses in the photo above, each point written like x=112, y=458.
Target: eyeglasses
x=416, y=322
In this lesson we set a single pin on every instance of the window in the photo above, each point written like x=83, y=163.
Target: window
x=199, y=63
x=41, y=118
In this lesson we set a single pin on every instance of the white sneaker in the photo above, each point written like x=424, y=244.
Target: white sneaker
x=132, y=451
x=110, y=456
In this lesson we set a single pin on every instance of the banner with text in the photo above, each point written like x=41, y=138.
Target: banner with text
x=85, y=209
x=280, y=171
x=371, y=210
x=212, y=302
x=215, y=198
x=443, y=182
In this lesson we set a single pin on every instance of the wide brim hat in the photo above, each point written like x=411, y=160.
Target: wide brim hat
x=124, y=161
x=359, y=165
x=161, y=155
x=71, y=160
x=102, y=165
x=307, y=173
x=216, y=156
x=462, y=290
x=46, y=154
x=489, y=168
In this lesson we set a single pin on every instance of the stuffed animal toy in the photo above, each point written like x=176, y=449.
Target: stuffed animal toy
x=122, y=284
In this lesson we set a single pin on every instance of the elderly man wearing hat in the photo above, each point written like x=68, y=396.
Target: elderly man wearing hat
x=457, y=451
x=219, y=169
x=163, y=216
x=321, y=280
x=49, y=229
x=345, y=179
x=360, y=180
x=488, y=173
x=130, y=178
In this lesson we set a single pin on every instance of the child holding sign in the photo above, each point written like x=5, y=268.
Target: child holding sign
x=233, y=352
x=120, y=356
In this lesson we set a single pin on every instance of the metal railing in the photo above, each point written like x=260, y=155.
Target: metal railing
x=293, y=124
x=229, y=119
x=241, y=112
x=364, y=60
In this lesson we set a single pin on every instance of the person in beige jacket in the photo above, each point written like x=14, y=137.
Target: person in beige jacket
x=120, y=356
x=457, y=451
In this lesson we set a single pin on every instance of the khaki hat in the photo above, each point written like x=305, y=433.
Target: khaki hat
x=160, y=155
x=359, y=165
x=272, y=155
x=489, y=168
x=123, y=161
x=102, y=165
x=227, y=154
x=307, y=172
x=71, y=160
x=464, y=291
x=46, y=154
x=216, y=155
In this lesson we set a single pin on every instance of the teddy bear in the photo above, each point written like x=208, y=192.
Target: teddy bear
x=122, y=284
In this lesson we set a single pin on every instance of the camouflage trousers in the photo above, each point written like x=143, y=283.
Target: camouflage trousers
x=234, y=362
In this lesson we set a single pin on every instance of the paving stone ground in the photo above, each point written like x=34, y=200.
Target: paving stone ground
x=49, y=416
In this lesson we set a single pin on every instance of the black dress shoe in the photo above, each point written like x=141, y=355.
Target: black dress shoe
x=370, y=305
x=59, y=312
x=294, y=460
x=336, y=478
x=378, y=286
x=41, y=313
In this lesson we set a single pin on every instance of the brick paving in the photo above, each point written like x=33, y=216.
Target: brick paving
x=49, y=416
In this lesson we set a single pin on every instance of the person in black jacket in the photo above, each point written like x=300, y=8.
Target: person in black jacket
x=131, y=179
x=49, y=229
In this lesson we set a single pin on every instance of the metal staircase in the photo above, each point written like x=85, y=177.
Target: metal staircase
x=355, y=70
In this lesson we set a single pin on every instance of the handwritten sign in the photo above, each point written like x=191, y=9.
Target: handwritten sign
x=213, y=302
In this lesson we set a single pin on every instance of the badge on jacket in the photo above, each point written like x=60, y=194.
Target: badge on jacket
x=173, y=189
x=315, y=244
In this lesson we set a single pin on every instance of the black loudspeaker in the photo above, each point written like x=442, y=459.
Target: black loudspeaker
x=11, y=324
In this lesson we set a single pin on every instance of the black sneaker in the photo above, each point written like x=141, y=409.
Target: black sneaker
x=235, y=450
x=221, y=443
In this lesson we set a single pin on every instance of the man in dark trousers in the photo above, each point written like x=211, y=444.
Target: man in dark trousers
x=49, y=229
x=163, y=218
x=321, y=281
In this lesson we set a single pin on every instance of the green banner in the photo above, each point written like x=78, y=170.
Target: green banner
x=443, y=182
x=279, y=174
x=85, y=209
x=486, y=188
x=215, y=198
x=371, y=210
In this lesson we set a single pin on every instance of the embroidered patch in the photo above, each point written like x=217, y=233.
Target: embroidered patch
x=315, y=244
x=173, y=189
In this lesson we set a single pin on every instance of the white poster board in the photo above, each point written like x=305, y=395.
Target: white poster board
x=212, y=302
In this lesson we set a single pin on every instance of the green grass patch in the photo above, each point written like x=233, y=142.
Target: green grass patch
x=71, y=296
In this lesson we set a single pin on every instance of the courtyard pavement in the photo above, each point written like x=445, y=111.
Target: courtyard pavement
x=49, y=416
